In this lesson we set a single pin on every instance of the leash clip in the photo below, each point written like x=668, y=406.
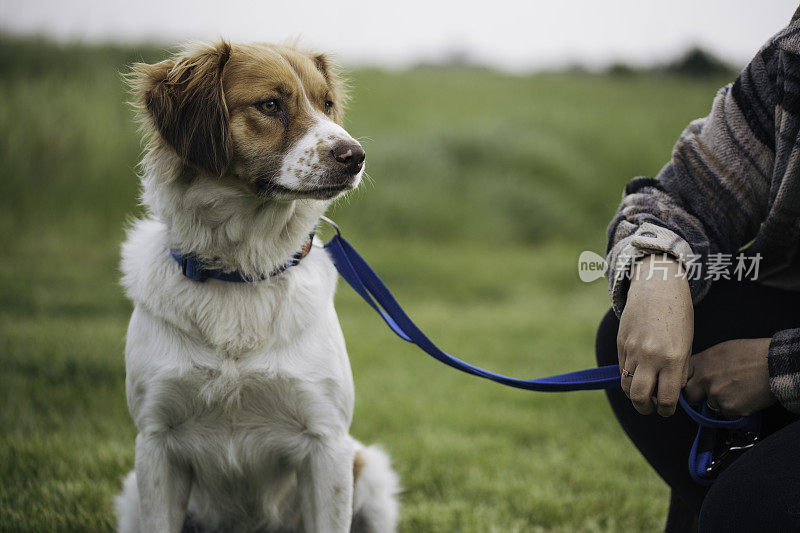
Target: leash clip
x=332, y=224
x=734, y=445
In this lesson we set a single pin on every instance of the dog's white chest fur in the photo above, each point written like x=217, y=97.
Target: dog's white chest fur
x=238, y=380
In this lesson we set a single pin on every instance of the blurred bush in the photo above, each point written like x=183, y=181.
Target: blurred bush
x=695, y=63
x=699, y=63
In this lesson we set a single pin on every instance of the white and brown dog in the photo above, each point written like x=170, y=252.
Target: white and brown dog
x=242, y=393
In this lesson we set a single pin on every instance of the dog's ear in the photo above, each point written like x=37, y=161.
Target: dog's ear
x=184, y=100
x=337, y=86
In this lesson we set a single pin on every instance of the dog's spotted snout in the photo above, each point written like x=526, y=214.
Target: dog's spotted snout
x=350, y=155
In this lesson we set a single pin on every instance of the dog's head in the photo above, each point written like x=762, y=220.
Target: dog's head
x=267, y=115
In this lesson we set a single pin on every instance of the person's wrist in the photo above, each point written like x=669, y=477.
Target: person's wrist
x=659, y=270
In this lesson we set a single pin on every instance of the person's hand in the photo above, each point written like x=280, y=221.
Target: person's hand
x=655, y=335
x=733, y=377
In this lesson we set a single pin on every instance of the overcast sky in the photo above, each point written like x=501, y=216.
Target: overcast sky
x=517, y=35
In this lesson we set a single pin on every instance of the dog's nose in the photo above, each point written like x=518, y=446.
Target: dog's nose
x=350, y=155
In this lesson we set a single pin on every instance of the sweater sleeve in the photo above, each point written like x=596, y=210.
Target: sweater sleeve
x=713, y=194
x=784, y=368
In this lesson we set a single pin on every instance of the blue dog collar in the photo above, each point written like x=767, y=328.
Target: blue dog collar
x=191, y=267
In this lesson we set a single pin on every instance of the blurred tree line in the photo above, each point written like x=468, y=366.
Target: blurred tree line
x=695, y=63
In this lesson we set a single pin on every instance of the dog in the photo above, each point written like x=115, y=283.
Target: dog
x=242, y=391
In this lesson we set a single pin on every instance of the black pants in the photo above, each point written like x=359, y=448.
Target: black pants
x=760, y=491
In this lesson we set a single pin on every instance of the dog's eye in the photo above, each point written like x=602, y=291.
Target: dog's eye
x=328, y=107
x=270, y=107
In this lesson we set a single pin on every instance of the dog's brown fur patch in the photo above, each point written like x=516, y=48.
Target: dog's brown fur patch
x=184, y=100
x=203, y=104
x=358, y=465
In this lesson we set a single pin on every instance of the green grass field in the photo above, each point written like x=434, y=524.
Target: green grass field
x=485, y=189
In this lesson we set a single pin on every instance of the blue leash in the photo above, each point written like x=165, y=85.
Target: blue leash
x=358, y=274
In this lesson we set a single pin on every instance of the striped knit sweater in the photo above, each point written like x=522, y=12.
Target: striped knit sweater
x=733, y=184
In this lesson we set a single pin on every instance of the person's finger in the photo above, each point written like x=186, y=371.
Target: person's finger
x=627, y=378
x=731, y=410
x=695, y=390
x=620, y=351
x=713, y=404
x=669, y=386
x=642, y=387
x=688, y=369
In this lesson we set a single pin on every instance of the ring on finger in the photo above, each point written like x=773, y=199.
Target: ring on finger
x=626, y=374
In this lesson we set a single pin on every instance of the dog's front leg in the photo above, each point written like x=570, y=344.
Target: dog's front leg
x=163, y=487
x=325, y=482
